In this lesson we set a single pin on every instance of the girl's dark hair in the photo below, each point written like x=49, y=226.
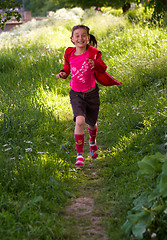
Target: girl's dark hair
x=92, y=41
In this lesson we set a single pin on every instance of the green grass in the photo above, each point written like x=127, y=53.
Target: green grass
x=37, y=152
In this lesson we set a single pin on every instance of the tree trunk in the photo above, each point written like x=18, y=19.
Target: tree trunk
x=126, y=7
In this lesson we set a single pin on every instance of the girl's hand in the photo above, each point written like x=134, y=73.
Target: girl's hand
x=91, y=62
x=61, y=75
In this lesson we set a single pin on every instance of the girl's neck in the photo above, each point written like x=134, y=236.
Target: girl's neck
x=80, y=51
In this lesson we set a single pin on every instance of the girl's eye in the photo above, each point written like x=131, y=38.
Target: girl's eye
x=77, y=36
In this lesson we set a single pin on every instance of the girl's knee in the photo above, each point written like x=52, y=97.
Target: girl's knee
x=80, y=121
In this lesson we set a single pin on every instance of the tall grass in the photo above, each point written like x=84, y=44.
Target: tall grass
x=37, y=149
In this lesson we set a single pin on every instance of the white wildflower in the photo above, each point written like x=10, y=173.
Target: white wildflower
x=165, y=211
x=7, y=149
x=134, y=107
x=153, y=235
x=42, y=152
x=28, y=149
x=5, y=145
x=27, y=141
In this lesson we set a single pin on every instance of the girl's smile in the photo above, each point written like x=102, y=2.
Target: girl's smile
x=80, y=38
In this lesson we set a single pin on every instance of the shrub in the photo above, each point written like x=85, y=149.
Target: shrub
x=113, y=11
x=148, y=217
x=140, y=14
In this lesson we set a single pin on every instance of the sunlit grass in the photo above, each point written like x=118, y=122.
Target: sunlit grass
x=107, y=23
x=55, y=103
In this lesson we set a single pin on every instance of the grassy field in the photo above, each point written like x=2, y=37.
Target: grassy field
x=37, y=152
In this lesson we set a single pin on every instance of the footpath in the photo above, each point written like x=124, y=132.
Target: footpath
x=86, y=214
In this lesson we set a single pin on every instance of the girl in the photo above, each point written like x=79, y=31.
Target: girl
x=83, y=61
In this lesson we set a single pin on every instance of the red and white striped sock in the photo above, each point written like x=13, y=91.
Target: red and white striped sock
x=79, y=143
x=92, y=143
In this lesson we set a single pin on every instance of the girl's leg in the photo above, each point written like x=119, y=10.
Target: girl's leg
x=92, y=141
x=79, y=139
x=79, y=125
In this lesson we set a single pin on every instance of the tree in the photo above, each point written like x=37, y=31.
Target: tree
x=160, y=6
x=124, y=4
x=9, y=7
x=40, y=7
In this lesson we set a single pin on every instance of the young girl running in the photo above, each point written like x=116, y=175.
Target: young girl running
x=82, y=61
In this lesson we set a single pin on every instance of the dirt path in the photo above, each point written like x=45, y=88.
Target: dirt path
x=87, y=220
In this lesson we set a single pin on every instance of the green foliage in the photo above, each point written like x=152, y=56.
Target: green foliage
x=152, y=12
x=150, y=206
x=9, y=6
x=113, y=11
x=39, y=8
x=160, y=7
x=140, y=14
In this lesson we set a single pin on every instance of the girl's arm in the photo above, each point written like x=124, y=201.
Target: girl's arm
x=65, y=71
x=61, y=75
x=66, y=68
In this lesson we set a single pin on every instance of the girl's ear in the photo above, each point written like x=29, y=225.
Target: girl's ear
x=72, y=40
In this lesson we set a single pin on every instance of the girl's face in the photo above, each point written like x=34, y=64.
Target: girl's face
x=80, y=38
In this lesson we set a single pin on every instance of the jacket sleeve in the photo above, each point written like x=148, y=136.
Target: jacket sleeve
x=66, y=67
x=100, y=66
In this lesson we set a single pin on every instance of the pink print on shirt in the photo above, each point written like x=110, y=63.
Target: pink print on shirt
x=80, y=73
x=82, y=76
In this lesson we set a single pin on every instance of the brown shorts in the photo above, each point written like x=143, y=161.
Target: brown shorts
x=86, y=104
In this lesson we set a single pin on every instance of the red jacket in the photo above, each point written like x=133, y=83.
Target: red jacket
x=100, y=67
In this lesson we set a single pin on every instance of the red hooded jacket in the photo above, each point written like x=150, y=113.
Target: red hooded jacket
x=100, y=67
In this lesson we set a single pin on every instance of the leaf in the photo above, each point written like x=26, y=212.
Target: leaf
x=159, y=208
x=131, y=220
x=68, y=194
x=151, y=165
x=141, y=201
x=163, y=185
x=154, y=195
x=164, y=168
x=140, y=227
x=126, y=227
x=162, y=158
x=163, y=181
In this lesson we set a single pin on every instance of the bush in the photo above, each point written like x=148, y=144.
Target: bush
x=140, y=14
x=113, y=11
x=148, y=217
